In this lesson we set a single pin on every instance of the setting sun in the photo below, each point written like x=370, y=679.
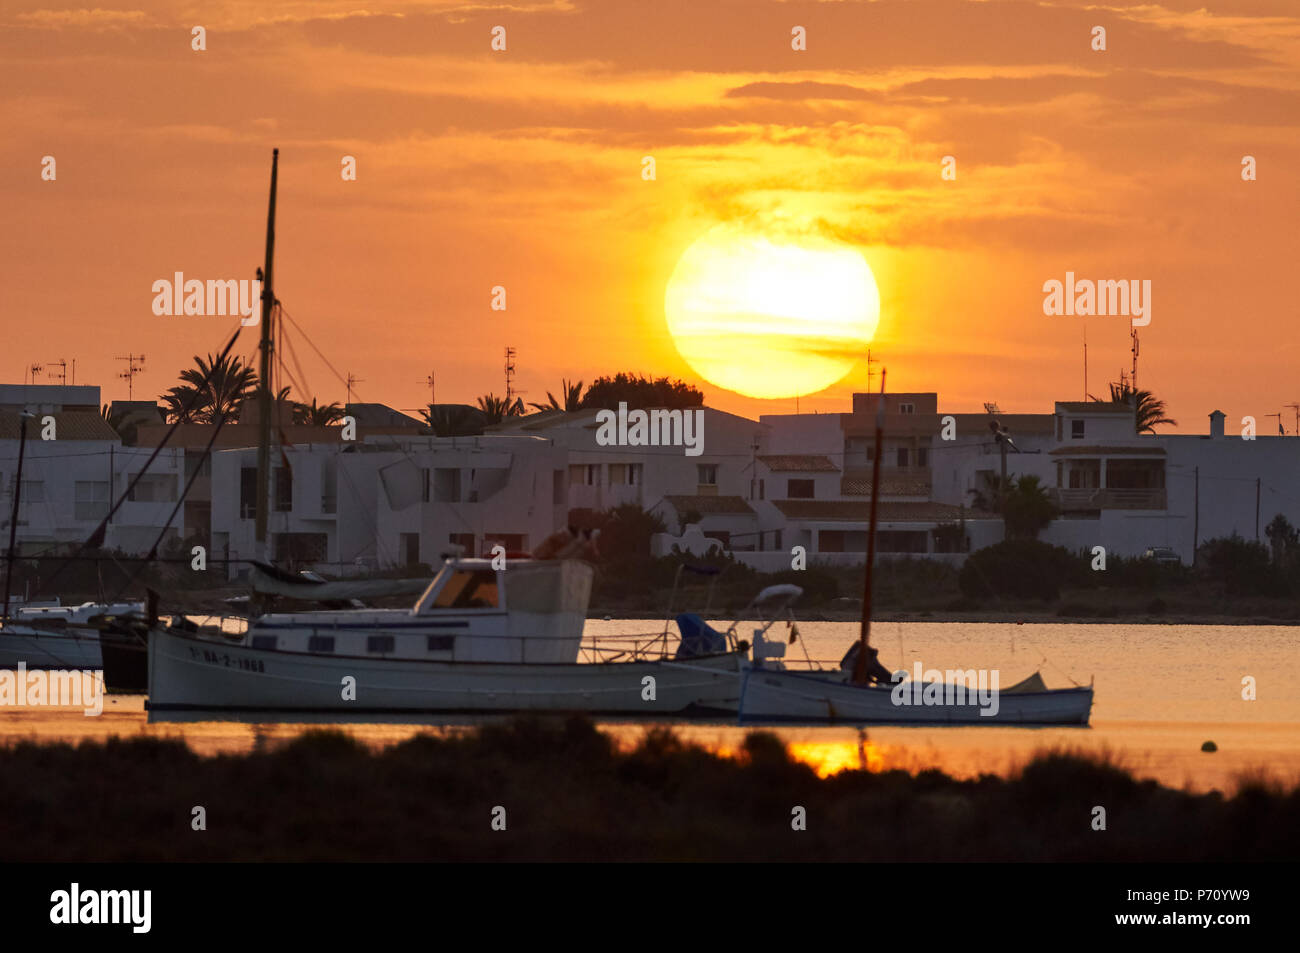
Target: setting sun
x=771, y=317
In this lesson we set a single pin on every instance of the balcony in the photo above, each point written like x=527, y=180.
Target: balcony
x=1108, y=499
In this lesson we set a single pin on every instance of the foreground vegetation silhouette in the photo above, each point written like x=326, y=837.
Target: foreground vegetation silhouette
x=570, y=793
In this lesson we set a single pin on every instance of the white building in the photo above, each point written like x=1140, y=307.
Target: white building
x=74, y=468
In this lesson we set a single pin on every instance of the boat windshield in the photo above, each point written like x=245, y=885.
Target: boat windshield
x=468, y=589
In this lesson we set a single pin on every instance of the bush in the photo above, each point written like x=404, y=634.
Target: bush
x=1017, y=567
x=1241, y=567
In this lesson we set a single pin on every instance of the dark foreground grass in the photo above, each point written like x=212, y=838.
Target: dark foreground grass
x=571, y=794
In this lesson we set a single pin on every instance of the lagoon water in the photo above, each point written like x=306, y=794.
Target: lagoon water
x=1161, y=691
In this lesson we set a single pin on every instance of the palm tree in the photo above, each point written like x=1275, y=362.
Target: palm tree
x=1150, y=410
x=222, y=385
x=316, y=416
x=572, y=394
x=498, y=409
x=1026, y=507
x=453, y=420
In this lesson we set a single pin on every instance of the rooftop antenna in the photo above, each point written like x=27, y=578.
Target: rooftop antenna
x=511, y=393
x=1085, y=360
x=431, y=382
x=33, y=369
x=1296, y=408
x=870, y=373
x=62, y=375
x=991, y=407
x=1280, y=429
x=352, y=382
x=134, y=365
x=1134, y=335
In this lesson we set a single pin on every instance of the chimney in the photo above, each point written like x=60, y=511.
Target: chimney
x=1216, y=425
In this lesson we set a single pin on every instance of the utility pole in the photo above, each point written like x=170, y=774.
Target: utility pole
x=1196, y=510
x=13, y=516
x=264, y=376
x=134, y=366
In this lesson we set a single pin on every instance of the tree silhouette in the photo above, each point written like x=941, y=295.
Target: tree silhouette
x=572, y=394
x=222, y=384
x=1150, y=409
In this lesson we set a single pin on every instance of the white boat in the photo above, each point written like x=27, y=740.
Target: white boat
x=829, y=697
x=479, y=640
x=861, y=691
x=56, y=636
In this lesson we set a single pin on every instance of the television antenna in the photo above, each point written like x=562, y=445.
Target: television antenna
x=134, y=365
x=431, y=382
x=352, y=382
x=511, y=393
x=991, y=407
x=1296, y=408
x=62, y=375
x=33, y=369
x=1280, y=429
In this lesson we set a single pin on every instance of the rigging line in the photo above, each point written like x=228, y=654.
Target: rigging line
x=400, y=447
x=101, y=531
x=153, y=550
x=287, y=339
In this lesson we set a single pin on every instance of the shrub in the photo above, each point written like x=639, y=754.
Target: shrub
x=1017, y=567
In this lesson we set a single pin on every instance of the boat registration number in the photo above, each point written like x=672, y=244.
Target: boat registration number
x=224, y=659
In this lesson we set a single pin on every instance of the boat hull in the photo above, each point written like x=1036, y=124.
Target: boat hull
x=189, y=674
x=35, y=648
x=809, y=698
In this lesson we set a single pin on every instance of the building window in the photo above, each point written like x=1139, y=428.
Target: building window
x=446, y=485
x=283, y=490
x=157, y=488
x=902, y=458
x=799, y=489
x=707, y=474
x=247, y=492
x=1076, y=429
x=922, y=456
x=91, y=500
x=625, y=474
x=907, y=408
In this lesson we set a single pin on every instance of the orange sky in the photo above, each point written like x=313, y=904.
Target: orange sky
x=523, y=169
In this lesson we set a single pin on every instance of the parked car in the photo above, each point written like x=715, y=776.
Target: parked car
x=1162, y=554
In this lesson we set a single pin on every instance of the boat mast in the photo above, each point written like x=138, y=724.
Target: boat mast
x=864, y=639
x=264, y=376
x=13, y=517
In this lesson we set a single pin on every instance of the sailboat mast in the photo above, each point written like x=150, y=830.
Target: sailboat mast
x=264, y=375
x=13, y=517
x=860, y=667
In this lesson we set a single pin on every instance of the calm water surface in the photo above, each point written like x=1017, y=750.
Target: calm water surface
x=1160, y=692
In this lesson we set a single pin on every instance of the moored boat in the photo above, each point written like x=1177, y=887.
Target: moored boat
x=62, y=637
x=479, y=640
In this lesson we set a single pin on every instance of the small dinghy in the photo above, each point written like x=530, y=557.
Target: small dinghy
x=862, y=691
